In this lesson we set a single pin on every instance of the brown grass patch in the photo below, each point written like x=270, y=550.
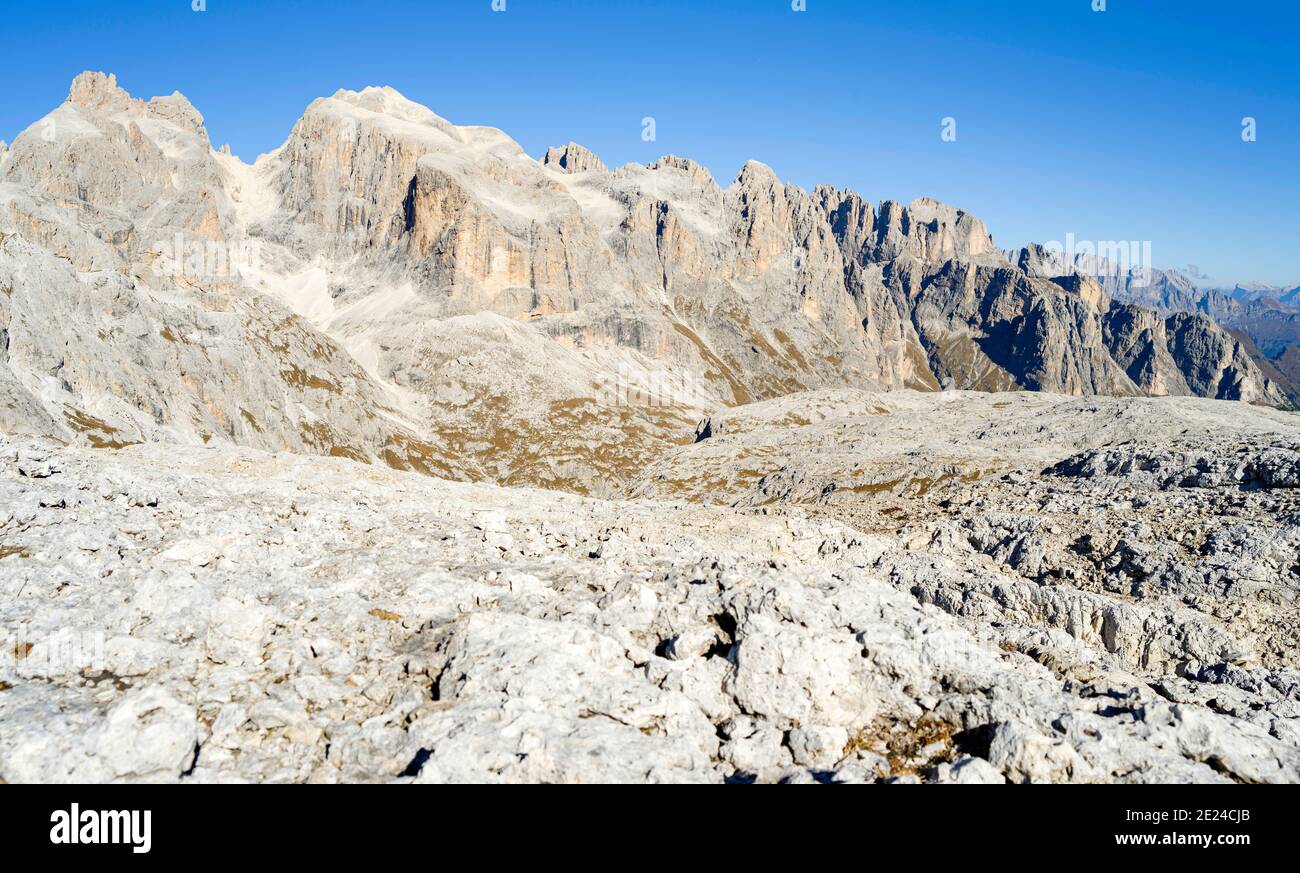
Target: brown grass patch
x=908, y=748
x=349, y=453
x=790, y=348
x=740, y=395
x=409, y=454
x=299, y=378
x=98, y=433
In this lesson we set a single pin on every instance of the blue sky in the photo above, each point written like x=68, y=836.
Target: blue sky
x=1116, y=125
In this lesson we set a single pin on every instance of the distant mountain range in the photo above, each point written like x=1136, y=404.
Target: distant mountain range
x=1265, y=318
x=390, y=287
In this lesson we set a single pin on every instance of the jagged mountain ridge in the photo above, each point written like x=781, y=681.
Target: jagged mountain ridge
x=1265, y=319
x=430, y=296
x=1253, y=291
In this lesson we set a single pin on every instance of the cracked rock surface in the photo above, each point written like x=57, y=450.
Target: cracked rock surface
x=224, y=614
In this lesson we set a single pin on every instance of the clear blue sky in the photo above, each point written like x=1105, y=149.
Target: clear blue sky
x=1121, y=125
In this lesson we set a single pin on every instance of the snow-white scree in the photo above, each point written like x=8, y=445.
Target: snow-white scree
x=230, y=547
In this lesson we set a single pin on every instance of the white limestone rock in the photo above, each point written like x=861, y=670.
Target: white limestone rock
x=148, y=735
x=408, y=643
x=573, y=158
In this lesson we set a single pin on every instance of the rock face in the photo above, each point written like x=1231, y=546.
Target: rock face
x=1153, y=327
x=1265, y=321
x=367, y=290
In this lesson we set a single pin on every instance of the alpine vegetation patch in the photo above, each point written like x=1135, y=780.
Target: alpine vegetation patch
x=77, y=826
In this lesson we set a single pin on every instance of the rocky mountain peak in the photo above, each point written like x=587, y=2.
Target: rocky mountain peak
x=95, y=90
x=1039, y=260
x=178, y=110
x=756, y=175
x=385, y=100
x=696, y=171
x=101, y=101
x=573, y=158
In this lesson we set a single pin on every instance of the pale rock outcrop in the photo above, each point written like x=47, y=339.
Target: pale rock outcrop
x=94, y=90
x=1103, y=537
x=696, y=171
x=573, y=158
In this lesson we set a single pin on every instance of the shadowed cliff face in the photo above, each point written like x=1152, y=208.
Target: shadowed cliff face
x=1265, y=322
x=390, y=287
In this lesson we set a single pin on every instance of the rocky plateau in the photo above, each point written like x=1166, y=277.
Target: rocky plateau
x=399, y=455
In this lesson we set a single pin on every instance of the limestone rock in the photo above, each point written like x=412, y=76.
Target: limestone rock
x=441, y=631
x=573, y=158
